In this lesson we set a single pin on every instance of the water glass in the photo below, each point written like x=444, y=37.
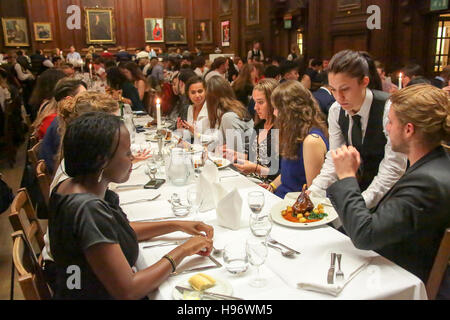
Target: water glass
x=235, y=257
x=194, y=200
x=257, y=253
x=260, y=225
x=256, y=201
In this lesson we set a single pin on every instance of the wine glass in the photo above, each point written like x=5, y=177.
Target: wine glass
x=260, y=225
x=257, y=254
x=193, y=198
x=256, y=201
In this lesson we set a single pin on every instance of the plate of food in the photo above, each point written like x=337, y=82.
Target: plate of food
x=221, y=163
x=153, y=137
x=303, y=212
x=199, y=284
x=153, y=124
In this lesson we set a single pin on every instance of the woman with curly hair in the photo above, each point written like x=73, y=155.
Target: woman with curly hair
x=303, y=137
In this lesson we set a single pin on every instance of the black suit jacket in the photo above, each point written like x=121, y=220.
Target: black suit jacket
x=408, y=224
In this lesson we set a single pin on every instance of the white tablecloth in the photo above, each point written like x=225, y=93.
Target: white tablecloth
x=381, y=279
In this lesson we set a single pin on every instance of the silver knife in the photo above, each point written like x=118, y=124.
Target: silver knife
x=208, y=294
x=164, y=244
x=330, y=277
x=155, y=219
x=176, y=273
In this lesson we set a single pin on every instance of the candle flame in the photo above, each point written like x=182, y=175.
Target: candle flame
x=401, y=74
x=158, y=101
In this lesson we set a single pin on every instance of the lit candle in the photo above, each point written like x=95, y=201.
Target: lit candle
x=158, y=114
x=90, y=70
x=400, y=81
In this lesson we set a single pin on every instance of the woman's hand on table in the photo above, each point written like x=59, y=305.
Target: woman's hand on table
x=245, y=166
x=196, y=228
x=141, y=156
x=200, y=245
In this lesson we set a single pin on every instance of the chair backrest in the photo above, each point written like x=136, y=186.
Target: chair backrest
x=23, y=218
x=441, y=263
x=33, y=140
x=43, y=180
x=33, y=154
x=30, y=274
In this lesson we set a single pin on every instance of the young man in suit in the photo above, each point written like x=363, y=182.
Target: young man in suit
x=409, y=222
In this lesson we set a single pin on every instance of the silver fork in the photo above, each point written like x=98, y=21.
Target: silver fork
x=141, y=200
x=339, y=273
x=273, y=241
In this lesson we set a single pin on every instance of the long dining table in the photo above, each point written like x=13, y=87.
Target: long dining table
x=379, y=279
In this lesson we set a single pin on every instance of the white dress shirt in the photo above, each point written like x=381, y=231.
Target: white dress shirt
x=391, y=168
x=202, y=123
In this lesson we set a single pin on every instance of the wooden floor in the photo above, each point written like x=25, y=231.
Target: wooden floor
x=13, y=177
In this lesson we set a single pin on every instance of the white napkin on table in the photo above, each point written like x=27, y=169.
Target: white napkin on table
x=208, y=187
x=229, y=211
x=316, y=278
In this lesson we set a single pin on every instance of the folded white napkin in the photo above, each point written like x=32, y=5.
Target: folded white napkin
x=316, y=278
x=205, y=186
x=229, y=210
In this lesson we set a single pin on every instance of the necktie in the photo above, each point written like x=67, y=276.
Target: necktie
x=357, y=133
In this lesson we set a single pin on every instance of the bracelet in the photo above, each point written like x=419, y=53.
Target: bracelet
x=256, y=169
x=273, y=186
x=172, y=262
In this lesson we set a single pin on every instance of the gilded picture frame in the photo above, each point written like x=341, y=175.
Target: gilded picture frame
x=15, y=32
x=154, y=30
x=175, y=29
x=203, y=31
x=100, y=25
x=252, y=12
x=43, y=31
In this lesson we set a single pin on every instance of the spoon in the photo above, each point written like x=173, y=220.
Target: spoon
x=284, y=253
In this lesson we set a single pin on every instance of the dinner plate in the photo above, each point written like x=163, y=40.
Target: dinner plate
x=225, y=162
x=275, y=213
x=222, y=286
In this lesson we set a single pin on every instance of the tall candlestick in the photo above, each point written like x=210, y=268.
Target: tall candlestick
x=158, y=114
x=90, y=70
x=400, y=81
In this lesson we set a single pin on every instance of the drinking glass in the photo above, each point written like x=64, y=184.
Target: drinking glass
x=256, y=201
x=260, y=225
x=193, y=198
x=235, y=257
x=257, y=254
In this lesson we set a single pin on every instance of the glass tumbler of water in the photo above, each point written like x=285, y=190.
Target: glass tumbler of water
x=193, y=198
x=260, y=225
x=235, y=257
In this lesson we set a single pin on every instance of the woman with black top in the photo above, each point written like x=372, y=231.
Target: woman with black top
x=130, y=95
x=244, y=83
x=90, y=234
x=262, y=159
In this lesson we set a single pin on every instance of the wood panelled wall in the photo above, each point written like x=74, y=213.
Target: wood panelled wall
x=406, y=28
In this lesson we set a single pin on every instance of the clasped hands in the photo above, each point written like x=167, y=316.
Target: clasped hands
x=202, y=237
x=346, y=161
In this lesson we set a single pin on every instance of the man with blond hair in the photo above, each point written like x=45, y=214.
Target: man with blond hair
x=409, y=222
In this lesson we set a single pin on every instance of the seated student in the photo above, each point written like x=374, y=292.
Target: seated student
x=289, y=71
x=324, y=97
x=410, y=72
x=197, y=116
x=244, y=83
x=303, y=137
x=409, y=222
x=227, y=114
x=88, y=228
x=261, y=159
x=130, y=95
x=358, y=118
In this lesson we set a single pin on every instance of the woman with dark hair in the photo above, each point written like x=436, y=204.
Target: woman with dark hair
x=244, y=83
x=118, y=82
x=88, y=228
x=233, y=72
x=375, y=79
x=42, y=99
x=134, y=74
x=197, y=116
x=303, y=137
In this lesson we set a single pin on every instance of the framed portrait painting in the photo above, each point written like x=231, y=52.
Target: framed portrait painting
x=175, y=30
x=154, y=30
x=226, y=37
x=252, y=12
x=100, y=25
x=225, y=7
x=203, y=31
x=15, y=32
x=43, y=31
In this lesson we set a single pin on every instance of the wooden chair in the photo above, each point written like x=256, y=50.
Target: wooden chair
x=23, y=218
x=28, y=266
x=33, y=140
x=441, y=263
x=33, y=154
x=43, y=180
